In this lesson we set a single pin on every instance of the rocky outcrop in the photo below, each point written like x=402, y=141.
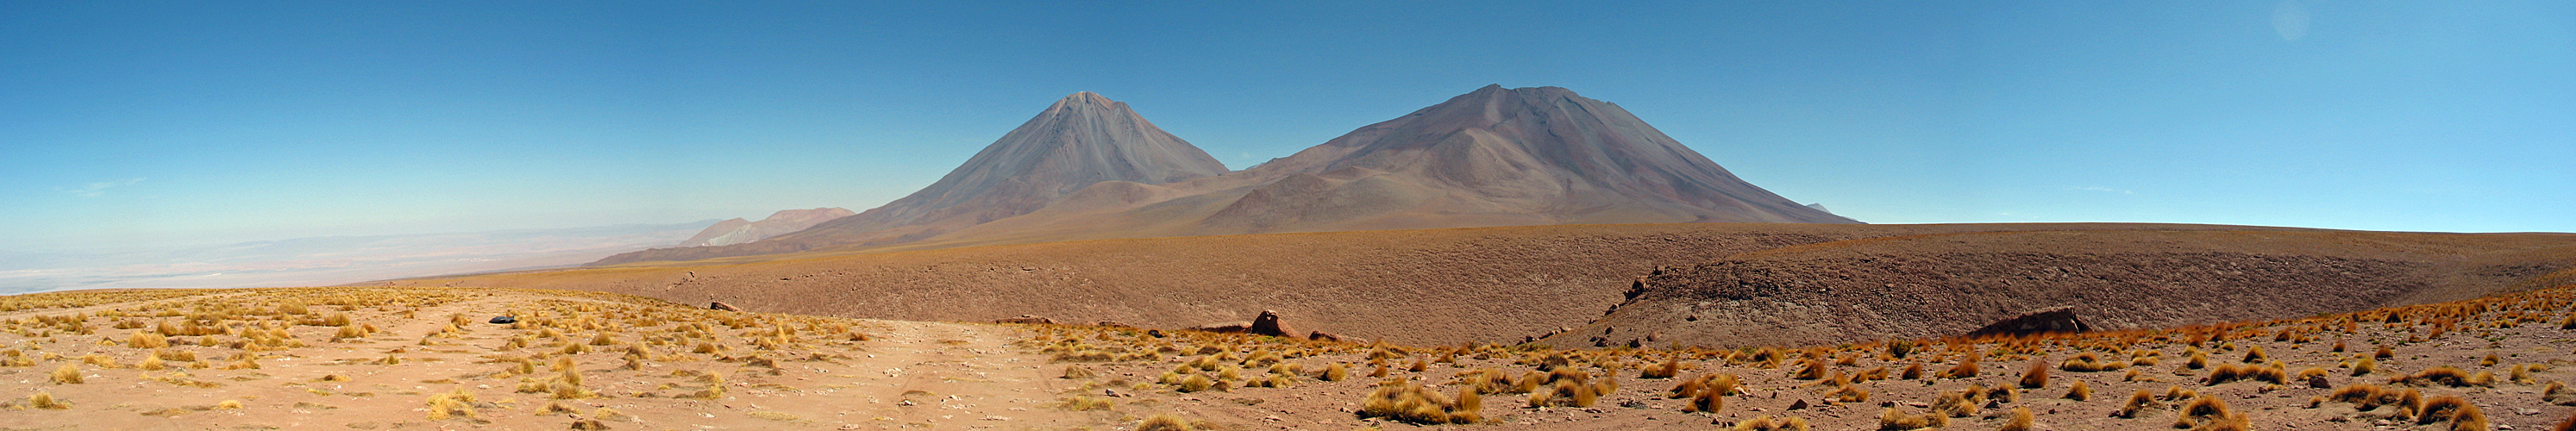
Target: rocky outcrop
x=2046, y=321
x=1266, y=324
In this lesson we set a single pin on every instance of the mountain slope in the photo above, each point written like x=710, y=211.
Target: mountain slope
x=1542, y=155
x=1080, y=140
x=737, y=231
x=1493, y=157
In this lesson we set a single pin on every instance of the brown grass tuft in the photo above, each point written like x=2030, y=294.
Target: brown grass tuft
x=1967, y=368
x=1895, y=420
x=1767, y=423
x=2461, y=414
x=2079, y=391
x=46, y=401
x=1671, y=366
x=1163, y=422
x=2037, y=376
x=2558, y=393
x=2139, y=402
x=2445, y=376
x=2020, y=420
x=2202, y=409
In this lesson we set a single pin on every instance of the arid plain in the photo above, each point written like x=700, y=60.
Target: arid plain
x=2475, y=320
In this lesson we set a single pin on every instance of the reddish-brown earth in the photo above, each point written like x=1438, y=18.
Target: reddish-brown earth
x=1948, y=284
x=1798, y=283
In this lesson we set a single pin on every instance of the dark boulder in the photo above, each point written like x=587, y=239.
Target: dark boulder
x=1266, y=324
x=720, y=305
x=504, y=320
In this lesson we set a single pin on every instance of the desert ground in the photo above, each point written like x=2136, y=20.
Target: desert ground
x=428, y=358
x=1543, y=327
x=1564, y=285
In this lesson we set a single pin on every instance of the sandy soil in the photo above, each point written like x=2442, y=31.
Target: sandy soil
x=908, y=375
x=920, y=375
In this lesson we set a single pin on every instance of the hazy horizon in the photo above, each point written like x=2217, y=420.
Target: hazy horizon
x=163, y=125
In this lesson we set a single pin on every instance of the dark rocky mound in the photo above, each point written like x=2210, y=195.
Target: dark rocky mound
x=2049, y=321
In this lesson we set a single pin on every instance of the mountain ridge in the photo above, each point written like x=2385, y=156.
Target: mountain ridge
x=1490, y=157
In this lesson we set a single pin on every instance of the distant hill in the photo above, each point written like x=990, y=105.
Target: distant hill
x=737, y=230
x=1080, y=140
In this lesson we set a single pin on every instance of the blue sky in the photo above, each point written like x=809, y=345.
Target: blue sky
x=146, y=124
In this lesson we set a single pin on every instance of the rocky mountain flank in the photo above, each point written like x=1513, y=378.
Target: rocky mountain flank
x=1078, y=141
x=737, y=230
x=1492, y=157
x=1947, y=284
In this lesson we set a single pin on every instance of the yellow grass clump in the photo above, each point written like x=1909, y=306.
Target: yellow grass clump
x=67, y=374
x=1411, y=403
x=46, y=401
x=1767, y=423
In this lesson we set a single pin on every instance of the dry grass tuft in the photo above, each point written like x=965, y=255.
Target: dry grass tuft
x=2234, y=372
x=1767, y=423
x=1967, y=368
x=2140, y=402
x=46, y=401
x=1671, y=366
x=1411, y=403
x=2445, y=376
x=2208, y=413
x=67, y=374
x=2088, y=362
x=2558, y=393
x=1163, y=422
x=2021, y=420
x=2079, y=391
x=1895, y=420
x=2037, y=376
x=2459, y=412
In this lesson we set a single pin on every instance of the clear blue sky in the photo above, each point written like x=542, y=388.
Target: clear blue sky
x=194, y=122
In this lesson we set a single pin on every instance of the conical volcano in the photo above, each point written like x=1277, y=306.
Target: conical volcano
x=1492, y=157
x=1078, y=141
x=1540, y=155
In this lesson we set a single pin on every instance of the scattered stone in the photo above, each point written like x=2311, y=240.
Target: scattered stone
x=720, y=305
x=1322, y=336
x=504, y=320
x=1800, y=405
x=2319, y=382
